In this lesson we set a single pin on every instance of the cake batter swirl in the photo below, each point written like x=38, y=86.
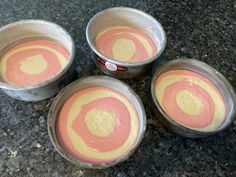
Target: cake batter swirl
x=190, y=99
x=97, y=125
x=32, y=62
x=126, y=44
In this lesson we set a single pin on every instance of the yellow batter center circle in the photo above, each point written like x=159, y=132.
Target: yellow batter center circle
x=189, y=103
x=33, y=65
x=123, y=49
x=100, y=122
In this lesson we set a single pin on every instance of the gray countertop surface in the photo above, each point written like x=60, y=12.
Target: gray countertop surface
x=201, y=29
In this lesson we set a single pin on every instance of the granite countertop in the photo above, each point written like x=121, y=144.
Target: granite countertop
x=200, y=29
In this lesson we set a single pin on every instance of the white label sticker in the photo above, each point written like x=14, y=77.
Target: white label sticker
x=111, y=66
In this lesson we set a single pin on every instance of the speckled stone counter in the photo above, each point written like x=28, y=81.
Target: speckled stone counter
x=200, y=29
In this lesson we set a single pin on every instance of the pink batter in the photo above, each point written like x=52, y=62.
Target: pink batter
x=101, y=144
x=190, y=99
x=126, y=44
x=47, y=54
